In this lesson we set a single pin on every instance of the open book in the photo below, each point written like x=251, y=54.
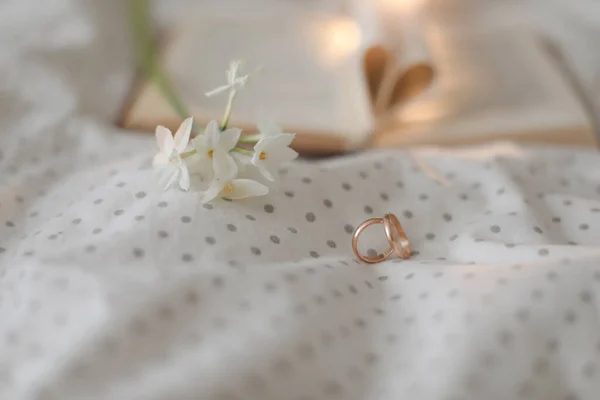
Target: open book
x=345, y=81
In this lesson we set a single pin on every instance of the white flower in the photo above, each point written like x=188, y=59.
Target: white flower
x=272, y=150
x=234, y=82
x=213, y=148
x=230, y=187
x=168, y=161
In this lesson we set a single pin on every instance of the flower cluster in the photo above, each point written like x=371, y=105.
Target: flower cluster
x=219, y=160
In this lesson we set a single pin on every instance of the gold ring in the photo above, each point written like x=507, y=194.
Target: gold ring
x=396, y=237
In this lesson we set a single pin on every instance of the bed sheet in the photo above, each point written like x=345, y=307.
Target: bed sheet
x=113, y=289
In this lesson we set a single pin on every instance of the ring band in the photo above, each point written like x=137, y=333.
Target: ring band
x=396, y=237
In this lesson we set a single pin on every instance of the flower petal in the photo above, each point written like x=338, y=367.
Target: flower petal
x=184, y=178
x=229, y=138
x=200, y=143
x=169, y=178
x=218, y=90
x=233, y=71
x=213, y=135
x=243, y=188
x=268, y=128
x=182, y=136
x=281, y=156
x=266, y=169
x=224, y=165
x=164, y=140
x=213, y=191
x=280, y=141
x=160, y=160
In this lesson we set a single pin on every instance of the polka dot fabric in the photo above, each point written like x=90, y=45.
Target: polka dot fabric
x=111, y=289
x=114, y=289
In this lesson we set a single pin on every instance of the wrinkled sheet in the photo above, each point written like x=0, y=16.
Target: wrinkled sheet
x=113, y=289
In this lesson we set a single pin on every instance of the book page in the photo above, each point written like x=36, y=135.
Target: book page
x=311, y=78
x=497, y=81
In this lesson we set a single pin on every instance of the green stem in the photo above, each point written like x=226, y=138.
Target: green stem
x=232, y=93
x=243, y=151
x=250, y=138
x=140, y=19
x=188, y=154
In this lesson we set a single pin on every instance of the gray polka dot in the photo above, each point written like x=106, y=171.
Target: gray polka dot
x=139, y=253
x=306, y=180
x=163, y=234
x=368, y=210
x=372, y=253
x=76, y=221
x=408, y=214
x=556, y=220
x=269, y=208
x=570, y=317
x=552, y=345
x=384, y=196
x=543, y=252
x=274, y=239
x=541, y=366
x=250, y=218
x=210, y=240
x=500, y=192
x=191, y=297
x=510, y=245
x=118, y=212
x=495, y=229
x=121, y=184
x=314, y=254
x=327, y=203
x=98, y=201
x=292, y=229
x=453, y=238
x=430, y=236
x=53, y=236
x=522, y=315
x=207, y=206
x=567, y=202
x=423, y=197
x=348, y=228
x=34, y=214
x=505, y=338
x=363, y=175
x=289, y=194
x=2, y=250
x=186, y=220
x=346, y=186
x=231, y=228
x=310, y=217
x=464, y=197
x=400, y=184
x=163, y=204
x=447, y=217
x=10, y=224
x=139, y=217
x=331, y=244
x=256, y=251
x=187, y=257
x=537, y=229
x=584, y=227
x=589, y=370
x=140, y=195
x=90, y=249
x=97, y=231
x=595, y=210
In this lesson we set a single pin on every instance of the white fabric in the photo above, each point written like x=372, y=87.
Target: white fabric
x=112, y=289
